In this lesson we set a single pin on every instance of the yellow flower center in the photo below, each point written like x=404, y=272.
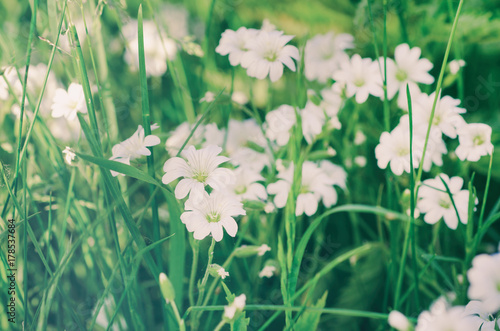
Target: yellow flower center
x=213, y=217
x=478, y=140
x=401, y=75
x=200, y=176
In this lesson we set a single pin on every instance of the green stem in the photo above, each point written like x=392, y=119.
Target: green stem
x=438, y=90
x=180, y=321
x=220, y=325
x=146, y=122
x=201, y=287
x=278, y=308
x=105, y=91
x=194, y=266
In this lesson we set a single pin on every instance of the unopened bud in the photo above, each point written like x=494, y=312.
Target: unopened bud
x=251, y=250
x=217, y=271
x=399, y=321
x=167, y=289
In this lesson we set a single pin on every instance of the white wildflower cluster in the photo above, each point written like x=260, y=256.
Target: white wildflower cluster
x=205, y=213
x=261, y=52
x=481, y=312
x=394, y=146
x=316, y=118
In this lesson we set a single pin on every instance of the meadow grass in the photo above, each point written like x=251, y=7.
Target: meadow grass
x=90, y=245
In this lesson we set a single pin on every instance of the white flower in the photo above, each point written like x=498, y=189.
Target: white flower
x=10, y=76
x=267, y=25
x=435, y=146
x=68, y=103
x=267, y=53
x=234, y=43
x=105, y=314
x=480, y=318
x=359, y=138
x=263, y=249
x=239, y=97
x=268, y=271
x=203, y=136
x=243, y=137
x=360, y=161
x=336, y=174
x=240, y=133
x=158, y=48
x=70, y=155
x=36, y=80
x=281, y=188
x=447, y=118
x=313, y=119
x=317, y=184
x=134, y=147
x=137, y=145
x=279, y=122
x=209, y=97
x=179, y=136
x=248, y=158
x=175, y=16
x=455, y=66
x=360, y=77
x=399, y=321
x=484, y=279
x=269, y=208
x=443, y=319
x=394, y=150
x=475, y=141
x=246, y=186
x=323, y=53
x=435, y=201
x=200, y=169
x=407, y=69
x=331, y=101
x=207, y=214
x=217, y=271
x=237, y=305
x=222, y=273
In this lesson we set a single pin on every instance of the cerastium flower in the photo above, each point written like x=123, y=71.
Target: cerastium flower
x=208, y=213
x=198, y=168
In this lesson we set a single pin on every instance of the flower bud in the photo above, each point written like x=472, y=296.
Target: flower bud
x=217, y=271
x=399, y=321
x=167, y=289
x=251, y=250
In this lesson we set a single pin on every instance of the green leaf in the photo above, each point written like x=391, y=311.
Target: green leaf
x=310, y=319
x=240, y=323
x=363, y=289
x=121, y=168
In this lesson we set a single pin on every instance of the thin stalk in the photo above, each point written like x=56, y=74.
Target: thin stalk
x=203, y=284
x=410, y=230
x=146, y=122
x=18, y=163
x=220, y=325
x=194, y=266
x=25, y=242
x=278, y=308
x=438, y=89
x=105, y=92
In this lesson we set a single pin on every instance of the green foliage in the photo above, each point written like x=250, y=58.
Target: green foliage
x=88, y=242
